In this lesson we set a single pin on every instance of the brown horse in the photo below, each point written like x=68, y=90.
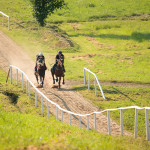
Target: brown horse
x=40, y=72
x=58, y=72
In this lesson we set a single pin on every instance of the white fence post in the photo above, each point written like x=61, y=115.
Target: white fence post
x=29, y=91
x=17, y=75
x=70, y=118
x=42, y=105
x=121, y=121
x=61, y=116
x=88, y=122
x=95, y=86
x=27, y=87
x=8, y=23
x=79, y=121
x=84, y=77
x=136, y=122
x=109, y=128
x=95, y=121
x=96, y=80
x=89, y=82
x=147, y=125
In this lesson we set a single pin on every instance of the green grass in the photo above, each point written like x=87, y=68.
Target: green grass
x=115, y=48
x=111, y=40
x=22, y=123
x=117, y=97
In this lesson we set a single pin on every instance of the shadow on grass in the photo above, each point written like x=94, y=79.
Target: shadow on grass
x=123, y=94
x=13, y=97
x=66, y=106
x=81, y=88
x=109, y=91
x=137, y=36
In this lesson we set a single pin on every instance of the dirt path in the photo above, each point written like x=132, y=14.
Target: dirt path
x=11, y=53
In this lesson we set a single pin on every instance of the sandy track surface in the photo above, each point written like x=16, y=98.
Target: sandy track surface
x=11, y=53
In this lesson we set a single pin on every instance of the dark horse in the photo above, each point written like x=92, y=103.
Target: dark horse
x=40, y=72
x=58, y=72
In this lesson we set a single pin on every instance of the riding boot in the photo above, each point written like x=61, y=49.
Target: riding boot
x=64, y=68
x=45, y=66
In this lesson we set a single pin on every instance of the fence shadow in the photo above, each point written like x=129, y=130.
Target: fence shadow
x=67, y=107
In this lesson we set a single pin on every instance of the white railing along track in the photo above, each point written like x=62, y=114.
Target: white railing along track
x=81, y=115
x=4, y=15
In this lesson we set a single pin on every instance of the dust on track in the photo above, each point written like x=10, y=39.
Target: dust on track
x=11, y=53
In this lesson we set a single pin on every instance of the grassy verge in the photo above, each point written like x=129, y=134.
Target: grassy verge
x=116, y=97
x=21, y=122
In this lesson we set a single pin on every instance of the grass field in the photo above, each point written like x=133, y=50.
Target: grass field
x=115, y=48
x=116, y=97
x=21, y=121
x=113, y=41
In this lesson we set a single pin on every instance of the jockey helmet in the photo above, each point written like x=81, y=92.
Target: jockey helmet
x=41, y=54
x=59, y=52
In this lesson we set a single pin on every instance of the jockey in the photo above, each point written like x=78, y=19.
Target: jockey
x=59, y=56
x=40, y=56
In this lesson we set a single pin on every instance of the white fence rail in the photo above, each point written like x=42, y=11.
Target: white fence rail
x=29, y=83
x=4, y=15
x=95, y=81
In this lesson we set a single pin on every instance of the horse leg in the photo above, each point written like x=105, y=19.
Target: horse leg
x=37, y=78
x=40, y=80
x=63, y=80
x=56, y=79
x=52, y=73
x=43, y=80
x=59, y=82
x=53, y=79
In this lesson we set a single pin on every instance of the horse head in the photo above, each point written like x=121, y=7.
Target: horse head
x=60, y=62
x=40, y=64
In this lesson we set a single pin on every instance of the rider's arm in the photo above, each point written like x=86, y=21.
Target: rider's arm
x=62, y=57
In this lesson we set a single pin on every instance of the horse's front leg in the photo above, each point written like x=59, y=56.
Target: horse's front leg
x=40, y=80
x=63, y=80
x=36, y=78
x=43, y=80
x=52, y=73
x=59, y=82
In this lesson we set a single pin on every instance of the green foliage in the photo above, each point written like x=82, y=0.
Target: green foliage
x=43, y=8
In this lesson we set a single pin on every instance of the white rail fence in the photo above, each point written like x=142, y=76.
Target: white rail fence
x=95, y=81
x=4, y=15
x=29, y=84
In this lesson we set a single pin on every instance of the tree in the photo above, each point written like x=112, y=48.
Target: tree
x=43, y=8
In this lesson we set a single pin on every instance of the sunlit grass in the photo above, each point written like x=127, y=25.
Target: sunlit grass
x=22, y=126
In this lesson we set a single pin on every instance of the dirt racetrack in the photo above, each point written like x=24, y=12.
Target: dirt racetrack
x=11, y=53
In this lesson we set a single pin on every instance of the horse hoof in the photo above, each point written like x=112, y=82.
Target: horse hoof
x=63, y=83
x=57, y=80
